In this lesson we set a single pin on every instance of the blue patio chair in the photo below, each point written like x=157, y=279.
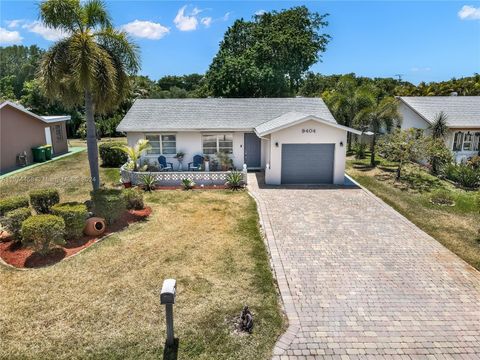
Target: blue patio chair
x=196, y=164
x=164, y=165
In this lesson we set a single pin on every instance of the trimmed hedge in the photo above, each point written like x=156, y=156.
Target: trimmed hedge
x=112, y=156
x=133, y=199
x=42, y=232
x=42, y=200
x=14, y=219
x=108, y=204
x=74, y=214
x=12, y=203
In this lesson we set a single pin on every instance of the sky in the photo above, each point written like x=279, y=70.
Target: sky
x=418, y=40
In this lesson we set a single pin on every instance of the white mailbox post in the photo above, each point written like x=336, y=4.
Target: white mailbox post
x=167, y=298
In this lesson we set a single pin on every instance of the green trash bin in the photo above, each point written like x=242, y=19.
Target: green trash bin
x=38, y=154
x=48, y=151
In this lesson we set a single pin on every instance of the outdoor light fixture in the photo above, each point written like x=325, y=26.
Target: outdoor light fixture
x=276, y=144
x=341, y=143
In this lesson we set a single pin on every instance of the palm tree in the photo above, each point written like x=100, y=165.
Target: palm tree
x=346, y=100
x=439, y=127
x=134, y=152
x=382, y=115
x=91, y=66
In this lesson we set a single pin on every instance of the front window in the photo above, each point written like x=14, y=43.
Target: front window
x=213, y=144
x=467, y=142
x=476, y=142
x=58, y=132
x=458, y=141
x=162, y=144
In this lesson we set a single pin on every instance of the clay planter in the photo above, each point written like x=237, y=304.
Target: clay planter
x=127, y=184
x=95, y=226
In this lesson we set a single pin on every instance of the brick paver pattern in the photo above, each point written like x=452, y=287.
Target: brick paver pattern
x=359, y=281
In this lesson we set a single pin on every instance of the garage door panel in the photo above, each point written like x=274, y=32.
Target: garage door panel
x=307, y=163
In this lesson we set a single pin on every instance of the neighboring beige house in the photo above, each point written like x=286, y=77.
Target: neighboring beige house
x=21, y=130
x=295, y=140
x=463, y=112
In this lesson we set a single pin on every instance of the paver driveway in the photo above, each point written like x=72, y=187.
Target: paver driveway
x=359, y=281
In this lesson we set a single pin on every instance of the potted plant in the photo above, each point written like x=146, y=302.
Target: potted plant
x=125, y=175
x=206, y=162
x=179, y=156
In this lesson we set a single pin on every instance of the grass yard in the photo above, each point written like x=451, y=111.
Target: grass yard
x=456, y=227
x=104, y=303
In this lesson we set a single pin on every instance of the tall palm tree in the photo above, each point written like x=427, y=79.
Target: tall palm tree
x=346, y=100
x=91, y=66
x=382, y=115
x=439, y=127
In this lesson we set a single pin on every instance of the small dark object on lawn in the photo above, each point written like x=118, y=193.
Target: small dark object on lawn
x=246, y=320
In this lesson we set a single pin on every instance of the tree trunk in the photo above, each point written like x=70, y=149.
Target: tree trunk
x=349, y=141
x=372, y=151
x=399, y=171
x=92, y=148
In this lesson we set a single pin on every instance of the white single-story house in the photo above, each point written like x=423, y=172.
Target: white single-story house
x=463, y=112
x=295, y=140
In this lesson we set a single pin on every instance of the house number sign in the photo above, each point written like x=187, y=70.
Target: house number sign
x=308, y=131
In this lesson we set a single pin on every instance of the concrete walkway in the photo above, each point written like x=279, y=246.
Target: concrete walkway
x=359, y=281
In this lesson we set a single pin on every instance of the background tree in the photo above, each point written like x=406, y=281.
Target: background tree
x=402, y=146
x=90, y=66
x=269, y=55
x=382, y=115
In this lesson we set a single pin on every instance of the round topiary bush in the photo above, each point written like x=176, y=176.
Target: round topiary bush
x=108, y=204
x=12, y=203
x=111, y=155
x=74, y=214
x=133, y=199
x=442, y=197
x=42, y=232
x=42, y=200
x=13, y=221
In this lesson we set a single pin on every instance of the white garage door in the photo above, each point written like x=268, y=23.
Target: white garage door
x=307, y=163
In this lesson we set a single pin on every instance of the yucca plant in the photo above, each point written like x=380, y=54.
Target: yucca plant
x=188, y=184
x=234, y=180
x=148, y=181
x=89, y=67
x=134, y=152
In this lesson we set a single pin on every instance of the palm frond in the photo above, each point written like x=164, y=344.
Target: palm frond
x=94, y=13
x=439, y=127
x=62, y=14
x=120, y=46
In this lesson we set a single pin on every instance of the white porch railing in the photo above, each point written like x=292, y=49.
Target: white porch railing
x=174, y=178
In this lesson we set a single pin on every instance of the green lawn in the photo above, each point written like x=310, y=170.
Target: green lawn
x=456, y=227
x=104, y=303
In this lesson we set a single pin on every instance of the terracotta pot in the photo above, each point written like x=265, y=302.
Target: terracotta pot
x=95, y=226
x=127, y=184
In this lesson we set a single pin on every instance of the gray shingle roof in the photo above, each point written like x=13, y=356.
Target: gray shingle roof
x=462, y=111
x=215, y=113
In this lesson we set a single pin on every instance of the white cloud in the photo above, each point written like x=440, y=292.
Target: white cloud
x=186, y=22
x=420, y=69
x=260, y=12
x=9, y=37
x=146, y=29
x=206, y=21
x=14, y=23
x=47, y=33
x=226, y=16
x=468, y=12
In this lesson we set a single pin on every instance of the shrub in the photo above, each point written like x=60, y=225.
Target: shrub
x=467, y=176
x=188, y=184
x=112, y=155
x=442, y=197
x=133, y=199
x=43, y=231
x=234, y=180
x=42, y=200
x=108, y=204
x=13, y=221
x=474, y=162
x=13, y=203
x=148, y=181
x=360, y=150
x=74, y=215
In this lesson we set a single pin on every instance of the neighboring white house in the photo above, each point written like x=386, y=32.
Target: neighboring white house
x=463, y=121
x=296, y=140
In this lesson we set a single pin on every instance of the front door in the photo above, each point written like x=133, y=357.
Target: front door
x=48, y=137
x=251, y=148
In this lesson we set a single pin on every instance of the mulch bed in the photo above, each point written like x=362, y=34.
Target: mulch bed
x=15, y=254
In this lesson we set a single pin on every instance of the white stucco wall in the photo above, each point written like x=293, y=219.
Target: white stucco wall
x=191, y=144
x=410, y=119
x=324, y=134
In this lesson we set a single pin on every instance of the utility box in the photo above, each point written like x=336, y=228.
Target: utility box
x=168, y=293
